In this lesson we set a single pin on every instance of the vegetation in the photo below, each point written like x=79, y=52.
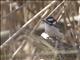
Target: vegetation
x=20, y=30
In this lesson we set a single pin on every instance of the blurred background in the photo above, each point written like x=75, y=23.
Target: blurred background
x=21, y=27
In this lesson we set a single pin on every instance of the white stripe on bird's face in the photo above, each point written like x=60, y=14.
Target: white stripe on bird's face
x=50, y=19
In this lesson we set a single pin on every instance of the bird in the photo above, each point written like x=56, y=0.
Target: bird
x=51, y=28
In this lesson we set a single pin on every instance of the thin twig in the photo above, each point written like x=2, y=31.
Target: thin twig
x=20, y=47
x=39, y=21
x=56, y=8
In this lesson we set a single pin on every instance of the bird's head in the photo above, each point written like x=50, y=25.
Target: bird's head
x=50, y=20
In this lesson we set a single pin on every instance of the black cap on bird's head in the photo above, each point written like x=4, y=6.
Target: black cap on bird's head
x=50, y=20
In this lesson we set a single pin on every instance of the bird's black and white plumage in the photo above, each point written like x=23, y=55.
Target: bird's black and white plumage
x=51, y=29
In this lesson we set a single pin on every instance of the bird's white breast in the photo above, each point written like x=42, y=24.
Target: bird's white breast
x=52, y=31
